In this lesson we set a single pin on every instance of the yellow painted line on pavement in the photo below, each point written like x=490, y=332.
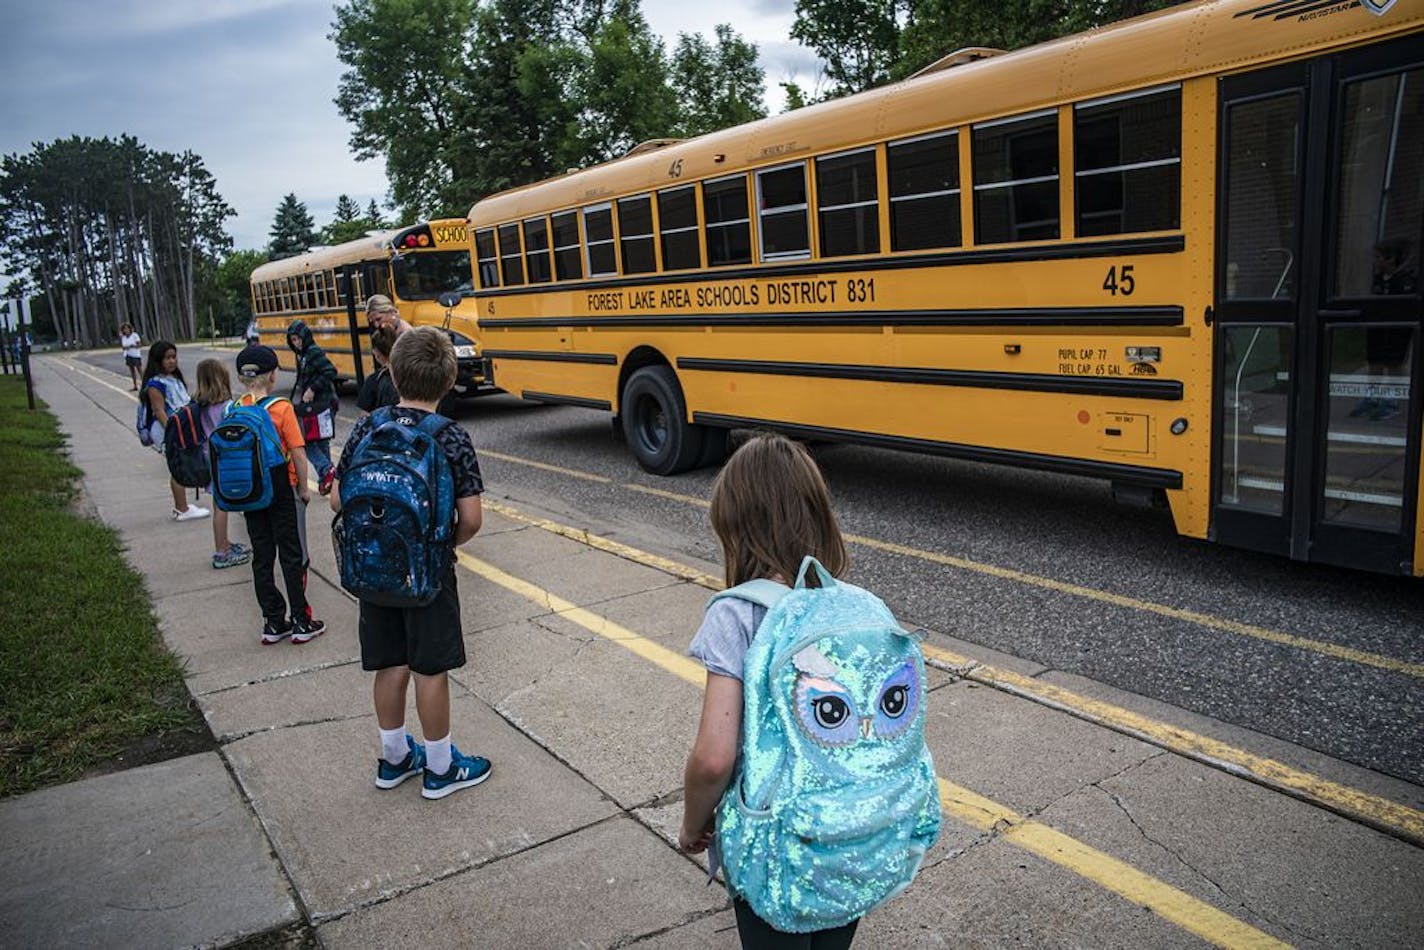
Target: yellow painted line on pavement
x=1178, y=907
x=545, y=466
x=1373, y=810
x=1198, y=618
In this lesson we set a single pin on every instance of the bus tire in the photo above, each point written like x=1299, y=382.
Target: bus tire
x=655, y=422
x=714, y=447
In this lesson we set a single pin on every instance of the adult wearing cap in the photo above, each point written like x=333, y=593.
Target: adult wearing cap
x=381, y=312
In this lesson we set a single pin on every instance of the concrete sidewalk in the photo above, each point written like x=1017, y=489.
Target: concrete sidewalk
x=568, y=843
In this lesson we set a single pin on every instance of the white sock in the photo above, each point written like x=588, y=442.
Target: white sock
x=393, y=747
x=437, y=755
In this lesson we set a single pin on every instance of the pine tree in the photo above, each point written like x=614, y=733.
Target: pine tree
x=347, y=210
x=293, y=230
x=373, y=217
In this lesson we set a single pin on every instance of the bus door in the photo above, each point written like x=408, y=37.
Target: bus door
x=1320, y=329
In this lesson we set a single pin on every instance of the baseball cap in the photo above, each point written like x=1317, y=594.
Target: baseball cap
x=256, y=360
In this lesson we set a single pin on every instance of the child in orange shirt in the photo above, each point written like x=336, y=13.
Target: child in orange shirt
x=279, y=531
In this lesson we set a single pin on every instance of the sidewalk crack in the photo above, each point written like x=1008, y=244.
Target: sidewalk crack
x=1228, y=897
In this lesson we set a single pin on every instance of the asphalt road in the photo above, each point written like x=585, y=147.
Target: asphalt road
x=1059, y=528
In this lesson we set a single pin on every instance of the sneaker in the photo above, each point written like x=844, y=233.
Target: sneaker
x=304, y=631
x=235, y=555
x=324, y=485
x=272, y=633
x=465, y=771
x=389, y=776
x=1387, y=409
x=191, y=513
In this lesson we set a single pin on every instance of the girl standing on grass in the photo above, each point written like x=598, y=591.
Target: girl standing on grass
x=164, y=390
x=770, y=508
x=213, y=396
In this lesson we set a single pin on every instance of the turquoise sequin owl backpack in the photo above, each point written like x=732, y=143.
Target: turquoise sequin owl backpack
x=834, y=802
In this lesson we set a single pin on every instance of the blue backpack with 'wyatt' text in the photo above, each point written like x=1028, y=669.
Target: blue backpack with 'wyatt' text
x=396, y=529
x=834, y=802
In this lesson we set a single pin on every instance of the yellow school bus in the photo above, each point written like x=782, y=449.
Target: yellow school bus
x=414, y=266
x=1179, y=253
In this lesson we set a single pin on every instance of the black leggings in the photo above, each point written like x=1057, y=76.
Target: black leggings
x=757, y=934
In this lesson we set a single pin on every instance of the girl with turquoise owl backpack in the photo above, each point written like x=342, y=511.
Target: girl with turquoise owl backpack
x=809, y=782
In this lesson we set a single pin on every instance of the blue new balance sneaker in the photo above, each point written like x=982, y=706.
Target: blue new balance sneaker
x=389, y=776
x=465, y=771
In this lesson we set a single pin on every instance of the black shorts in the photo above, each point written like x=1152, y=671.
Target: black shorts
x=133, y=361
x=427, y=639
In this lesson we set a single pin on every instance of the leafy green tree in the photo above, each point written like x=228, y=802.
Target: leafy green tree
x=623, y=86
x=293, y=230
x=404, y=90
x=232, y=280
x=939, y=27
x=717, y=86
x=348, y=222
x=858, y=39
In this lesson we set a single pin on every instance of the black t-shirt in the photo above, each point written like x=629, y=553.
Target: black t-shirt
x=459, y=451
x=377, y=390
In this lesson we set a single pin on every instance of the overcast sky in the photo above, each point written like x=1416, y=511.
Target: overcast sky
x=248, y=85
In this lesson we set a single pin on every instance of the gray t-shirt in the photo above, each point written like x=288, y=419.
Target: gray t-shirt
x=726, y=633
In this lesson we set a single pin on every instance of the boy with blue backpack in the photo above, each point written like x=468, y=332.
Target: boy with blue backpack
x=259, y=467
x=407, y=493
x=809, y=777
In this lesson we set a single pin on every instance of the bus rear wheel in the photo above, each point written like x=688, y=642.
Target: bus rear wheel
x=655, y=422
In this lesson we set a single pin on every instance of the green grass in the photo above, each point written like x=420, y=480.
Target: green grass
x=83, y=673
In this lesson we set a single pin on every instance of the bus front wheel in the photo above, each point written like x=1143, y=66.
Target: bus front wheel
x=655, y=422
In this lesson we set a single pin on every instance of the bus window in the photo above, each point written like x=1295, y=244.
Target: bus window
x=1016, y=179
x=486, y=258
x=782, y=203
x=1127, y=159
x=425, y=275
x=728, y=226
x=1263, y=169
x=536, y=250
x=511, y=260
x=923, y=182
x=598, y=226
x=635, y=234
x=677, y=219
x=567, y=265
x=848, y=204
x=1381, y=201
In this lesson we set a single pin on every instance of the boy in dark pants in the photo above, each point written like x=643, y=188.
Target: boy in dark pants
x=279, y=531
x=426, y=642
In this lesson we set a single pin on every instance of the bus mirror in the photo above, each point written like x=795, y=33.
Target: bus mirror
x=449, y=299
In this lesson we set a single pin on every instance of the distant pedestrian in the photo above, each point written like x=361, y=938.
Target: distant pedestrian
x=315, y=399
x=213, y=395
x=826, y=723
x=381, y=312
x=164, y=390
x=133, y=357
x=278, y=532
x=377, y=390
x=426, y=641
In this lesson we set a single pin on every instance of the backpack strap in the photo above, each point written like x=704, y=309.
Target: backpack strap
x=760, y=591
x=434, y=424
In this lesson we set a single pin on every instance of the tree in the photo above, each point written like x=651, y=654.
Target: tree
x=293, y=230
x=403, y=90
x=866, y=43
x=717, y=86
x=346, y=210
x=110, y=231
x=348, y=223
x=373, y=216
x=233, y=283
x=858, y=39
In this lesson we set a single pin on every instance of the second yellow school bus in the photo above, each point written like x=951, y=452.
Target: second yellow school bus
x=414, y=266
x=1179, y=253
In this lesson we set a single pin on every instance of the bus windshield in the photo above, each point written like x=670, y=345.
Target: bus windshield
x=426, y=275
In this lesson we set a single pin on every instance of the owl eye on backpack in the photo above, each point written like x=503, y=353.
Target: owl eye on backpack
x=835, y=800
